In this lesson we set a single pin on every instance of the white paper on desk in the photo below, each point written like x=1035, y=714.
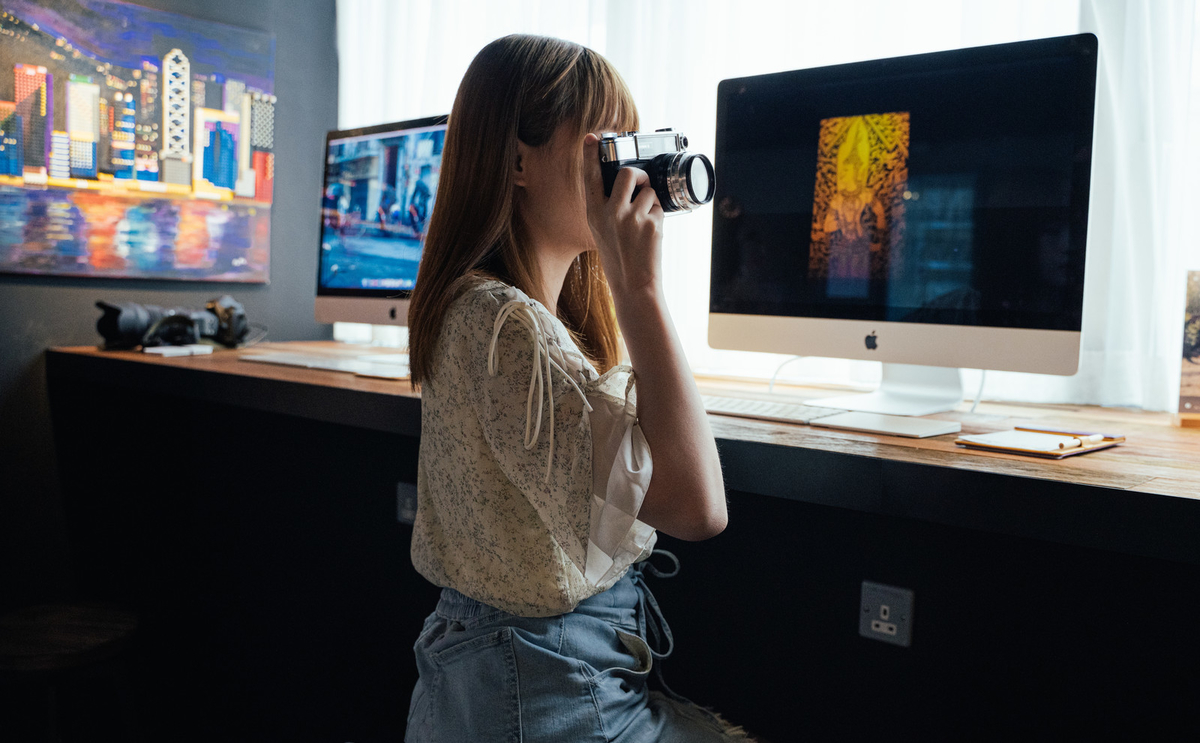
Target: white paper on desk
x=1047, y=442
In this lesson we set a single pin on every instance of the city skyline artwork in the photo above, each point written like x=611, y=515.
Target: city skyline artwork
x=134, y=143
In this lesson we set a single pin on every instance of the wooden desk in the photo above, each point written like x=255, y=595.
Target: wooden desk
x=1142, y=497
x=251, y=509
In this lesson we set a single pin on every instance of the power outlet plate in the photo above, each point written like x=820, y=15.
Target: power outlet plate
x=886, y=613
x=406, y=502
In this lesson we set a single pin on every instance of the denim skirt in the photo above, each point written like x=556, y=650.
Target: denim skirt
x=486, y=675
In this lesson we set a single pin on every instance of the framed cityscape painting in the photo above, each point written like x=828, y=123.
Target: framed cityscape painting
x=134, y=143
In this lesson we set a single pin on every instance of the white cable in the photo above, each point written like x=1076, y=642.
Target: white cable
x=979, y=394
x=771, y=386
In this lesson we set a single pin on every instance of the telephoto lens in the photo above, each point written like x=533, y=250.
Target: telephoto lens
x=127, y=325
x=683, y=180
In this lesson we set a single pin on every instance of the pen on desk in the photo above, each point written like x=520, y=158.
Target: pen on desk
x=1079, y=441
x=1096, y=437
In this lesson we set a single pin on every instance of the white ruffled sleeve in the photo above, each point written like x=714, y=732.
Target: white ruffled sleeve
x=621, y=471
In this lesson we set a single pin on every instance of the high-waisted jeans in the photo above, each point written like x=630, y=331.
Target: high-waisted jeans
x=487, y=675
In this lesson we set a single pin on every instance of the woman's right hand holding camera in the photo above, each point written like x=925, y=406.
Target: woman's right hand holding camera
x=686, y=497
x=627, y=230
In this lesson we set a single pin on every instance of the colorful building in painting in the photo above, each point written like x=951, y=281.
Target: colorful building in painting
x=12, y=140
x=147, y=128
x=264, y=175
x=104, y=143
x=214, y=170
x=34, y=97
x=83, y=125
x=262, y=122
x=245, y=185
x=176, y=152
x=220, y=156
x=60, y=155
x=234, y=91
x=199, y=91
x=123, y=117
x=214, y=92
x=262, y=144
x=83, y=159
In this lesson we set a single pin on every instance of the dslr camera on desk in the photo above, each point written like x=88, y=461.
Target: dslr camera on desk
x=127, y=325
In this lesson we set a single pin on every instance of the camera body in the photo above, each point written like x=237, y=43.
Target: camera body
x=128, y=324
x=682, y=180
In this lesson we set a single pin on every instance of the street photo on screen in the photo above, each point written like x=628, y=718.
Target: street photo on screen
x=379, y=193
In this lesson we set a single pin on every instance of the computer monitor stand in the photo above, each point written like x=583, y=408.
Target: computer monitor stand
x=905, y=390
x=382, y=336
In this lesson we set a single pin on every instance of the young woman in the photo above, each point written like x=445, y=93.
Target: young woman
x=542, y=479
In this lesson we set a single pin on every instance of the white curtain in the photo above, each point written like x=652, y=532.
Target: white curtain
x=402, y=59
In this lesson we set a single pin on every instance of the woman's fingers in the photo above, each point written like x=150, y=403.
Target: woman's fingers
x=645, y=200
x=628, y=179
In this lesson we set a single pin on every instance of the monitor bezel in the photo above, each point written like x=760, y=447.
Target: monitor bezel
x=927, y=344
x=389, y=294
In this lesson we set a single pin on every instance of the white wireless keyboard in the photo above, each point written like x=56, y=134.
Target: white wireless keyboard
x=790, y=412
x=767, y=410
x=363, y=365
x=889, y=425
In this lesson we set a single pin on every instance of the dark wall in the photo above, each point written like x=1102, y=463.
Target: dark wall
x=38, y=312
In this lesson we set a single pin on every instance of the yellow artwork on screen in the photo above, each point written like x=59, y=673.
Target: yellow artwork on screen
x=859, y=196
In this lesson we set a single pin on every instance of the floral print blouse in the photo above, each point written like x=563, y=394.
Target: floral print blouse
x=532, y=466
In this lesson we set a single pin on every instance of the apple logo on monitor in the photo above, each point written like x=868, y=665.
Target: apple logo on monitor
x=392, y=313
x=870, y=341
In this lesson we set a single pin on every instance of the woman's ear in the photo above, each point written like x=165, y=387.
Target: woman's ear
x=519, y=168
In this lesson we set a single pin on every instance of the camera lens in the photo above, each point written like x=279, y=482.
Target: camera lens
x=683, y=181
x=700, y=179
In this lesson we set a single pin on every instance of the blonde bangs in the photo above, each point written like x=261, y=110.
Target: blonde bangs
x=606, y=103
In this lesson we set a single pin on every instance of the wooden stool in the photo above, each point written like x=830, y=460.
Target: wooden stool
x=44, y=644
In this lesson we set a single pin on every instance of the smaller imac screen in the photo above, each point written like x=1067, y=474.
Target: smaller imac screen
x=947, y=188
x=378, y=197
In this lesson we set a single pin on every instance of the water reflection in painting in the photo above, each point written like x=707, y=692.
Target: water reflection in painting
x=57, y=231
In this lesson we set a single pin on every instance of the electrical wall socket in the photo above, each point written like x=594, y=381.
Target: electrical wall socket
x=886, y=613
x=406, y=502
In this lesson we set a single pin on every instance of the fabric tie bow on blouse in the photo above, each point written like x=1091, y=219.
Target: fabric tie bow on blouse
x=622, y=465
x=545, y=355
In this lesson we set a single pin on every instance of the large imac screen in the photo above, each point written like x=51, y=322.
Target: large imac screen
x=946, y=188
x=380, y=185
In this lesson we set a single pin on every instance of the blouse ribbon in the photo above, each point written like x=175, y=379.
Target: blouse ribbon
x=545, y=356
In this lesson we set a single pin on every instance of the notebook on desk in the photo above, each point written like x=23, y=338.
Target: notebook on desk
x=1036, y=442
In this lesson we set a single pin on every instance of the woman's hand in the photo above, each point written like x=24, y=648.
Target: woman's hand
x=627, y=229
x=686, y=497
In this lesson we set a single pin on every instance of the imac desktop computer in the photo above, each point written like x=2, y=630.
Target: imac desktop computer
x=380, y=184
x=929, y=212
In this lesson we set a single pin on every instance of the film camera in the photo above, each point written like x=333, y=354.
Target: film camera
x=682, y=181
x=128, y=324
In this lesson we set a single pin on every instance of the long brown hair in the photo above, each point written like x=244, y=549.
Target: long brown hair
x=517, y=88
